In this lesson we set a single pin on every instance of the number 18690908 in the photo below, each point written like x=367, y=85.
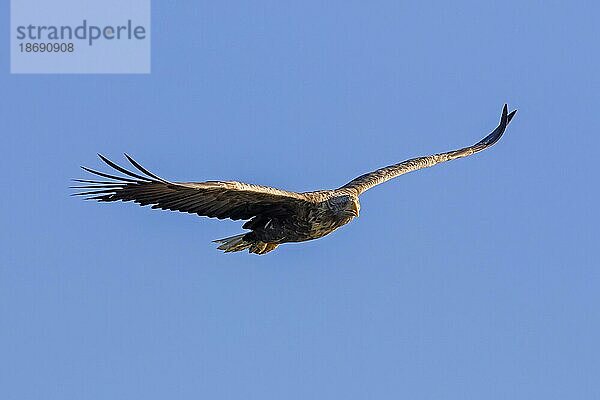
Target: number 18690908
x=47, y=47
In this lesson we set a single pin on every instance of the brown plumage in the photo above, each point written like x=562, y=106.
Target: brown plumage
x=273, y=216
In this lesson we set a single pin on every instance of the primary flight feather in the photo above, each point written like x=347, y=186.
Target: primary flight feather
x=273, y=216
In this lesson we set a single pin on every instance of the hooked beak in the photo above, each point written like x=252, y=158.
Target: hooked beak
x=354, y=210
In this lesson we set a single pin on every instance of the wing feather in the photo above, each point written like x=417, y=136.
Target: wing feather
x=367, y=181
x=217, y=199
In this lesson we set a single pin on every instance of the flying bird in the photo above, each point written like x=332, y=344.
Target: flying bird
x=273, y=216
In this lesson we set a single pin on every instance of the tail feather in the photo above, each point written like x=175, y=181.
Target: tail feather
x=238, y=243
x=233, y=243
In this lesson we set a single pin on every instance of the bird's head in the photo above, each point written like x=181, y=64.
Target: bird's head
x=345, y=205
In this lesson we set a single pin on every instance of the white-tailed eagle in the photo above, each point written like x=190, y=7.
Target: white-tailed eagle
x=273, y=216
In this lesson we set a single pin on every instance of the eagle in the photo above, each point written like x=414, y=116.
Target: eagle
x=273, y=216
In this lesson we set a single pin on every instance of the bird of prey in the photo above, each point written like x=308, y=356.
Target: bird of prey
x=273, y=216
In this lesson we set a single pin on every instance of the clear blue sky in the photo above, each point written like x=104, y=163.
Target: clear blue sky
x=475, y=279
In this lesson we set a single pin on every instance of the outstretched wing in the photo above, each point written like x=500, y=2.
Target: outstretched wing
x=215, y=199
x=367, y=181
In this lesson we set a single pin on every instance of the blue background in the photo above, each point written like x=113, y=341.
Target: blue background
x=473, y=279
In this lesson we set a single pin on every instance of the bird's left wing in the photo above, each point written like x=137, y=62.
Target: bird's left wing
x=215, y=199
x=367, y=181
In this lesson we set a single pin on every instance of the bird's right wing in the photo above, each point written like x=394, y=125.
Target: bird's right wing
x=367, y=181
x=215, y=199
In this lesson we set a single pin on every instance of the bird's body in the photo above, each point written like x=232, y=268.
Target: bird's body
x=273, y=216
x=318, y=217
x=323, y=212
